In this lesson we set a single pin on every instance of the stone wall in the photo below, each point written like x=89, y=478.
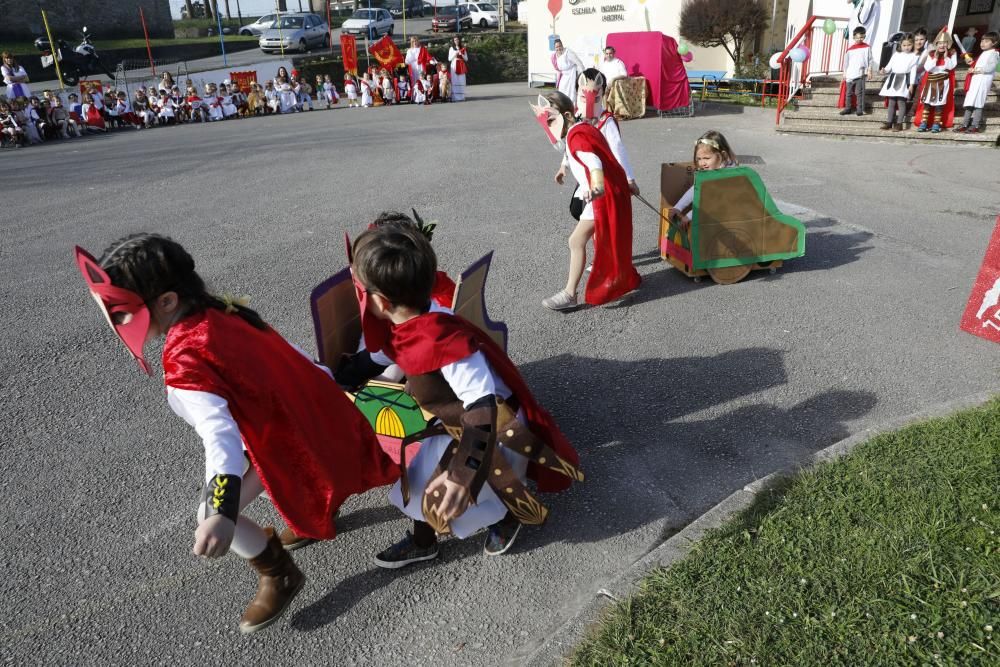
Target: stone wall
x=110, y=19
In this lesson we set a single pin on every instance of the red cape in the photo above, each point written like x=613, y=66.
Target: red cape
x=613, y=274
x=444, y=290
x=310, y=446
x=948, y=113
x=432, y=340
x=423, y=59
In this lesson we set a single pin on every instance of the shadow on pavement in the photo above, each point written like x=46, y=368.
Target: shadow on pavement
x=645, y=464
x=827, y=249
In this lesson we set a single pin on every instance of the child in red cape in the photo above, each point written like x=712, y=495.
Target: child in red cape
x=936, y=107
x=489, y=433
x=607, y=213
x=250, y=395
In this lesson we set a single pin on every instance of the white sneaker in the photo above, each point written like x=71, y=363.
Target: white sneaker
x=560, y=301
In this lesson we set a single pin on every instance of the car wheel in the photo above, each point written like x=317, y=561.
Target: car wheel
x=389, y=32
x=302, y=45
x=326, y=41
x=483, y=23
x=246, y=33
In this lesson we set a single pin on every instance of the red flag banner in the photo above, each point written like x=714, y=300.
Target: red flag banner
x=982, y=312
x=386, y=53
x=349, y=49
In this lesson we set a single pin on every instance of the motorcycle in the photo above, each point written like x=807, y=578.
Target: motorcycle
x=75, y=64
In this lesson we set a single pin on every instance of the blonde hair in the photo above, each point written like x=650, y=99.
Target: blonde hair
x=718, y=144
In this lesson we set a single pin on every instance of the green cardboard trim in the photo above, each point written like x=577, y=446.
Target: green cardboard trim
x=769, y=206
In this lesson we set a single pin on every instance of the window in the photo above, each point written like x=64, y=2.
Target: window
x=291, y=22
x=266, y=19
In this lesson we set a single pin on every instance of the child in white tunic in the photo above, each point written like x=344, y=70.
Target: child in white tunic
x=366, y=91
x=351, y=90
x=229, y=109
x=980, y=83
x=899, y=82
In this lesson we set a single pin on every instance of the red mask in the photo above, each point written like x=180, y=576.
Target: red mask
x=550, y=120
x=124, y=310
x=374, y=329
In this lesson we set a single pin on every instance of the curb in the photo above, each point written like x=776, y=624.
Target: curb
x=555, y=647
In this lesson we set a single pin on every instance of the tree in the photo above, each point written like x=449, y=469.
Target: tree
x=726, y=23
x=229, y=15
x=208, y=10
x=190, y=8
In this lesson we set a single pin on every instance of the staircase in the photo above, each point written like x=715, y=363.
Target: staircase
x=817, y=113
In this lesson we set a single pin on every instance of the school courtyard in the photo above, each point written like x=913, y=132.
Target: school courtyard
x=675, y=397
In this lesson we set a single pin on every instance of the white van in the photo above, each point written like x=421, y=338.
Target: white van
x=484, y=14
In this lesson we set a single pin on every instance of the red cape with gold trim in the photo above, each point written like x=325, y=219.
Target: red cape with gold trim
x=947, y=118
x=427, y=342
x=310, y=446
x=613, y=274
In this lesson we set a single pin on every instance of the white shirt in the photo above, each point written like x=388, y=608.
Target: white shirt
x=612, y=69
x=857, y=62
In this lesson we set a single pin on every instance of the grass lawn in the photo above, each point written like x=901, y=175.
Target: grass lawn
x=889, y=556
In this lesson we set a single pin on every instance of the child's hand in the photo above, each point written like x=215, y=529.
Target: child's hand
x=561, y=175
x=213, y=536
x=591, y=194
x=456, y=497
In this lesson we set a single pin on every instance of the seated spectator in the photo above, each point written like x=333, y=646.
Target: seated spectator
x=11, y=132
x=63, y=120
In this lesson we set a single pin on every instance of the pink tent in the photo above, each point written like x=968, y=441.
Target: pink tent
x=654, y=56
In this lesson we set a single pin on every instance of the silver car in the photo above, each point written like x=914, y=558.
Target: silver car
x=296, y=32
x=258, y=27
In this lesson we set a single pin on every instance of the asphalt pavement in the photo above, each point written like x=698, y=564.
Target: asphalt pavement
x=675, y=396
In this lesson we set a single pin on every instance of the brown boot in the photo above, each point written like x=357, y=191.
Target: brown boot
x=886, y=126
x=280, y=581
x=898, y=127
x=291, y=540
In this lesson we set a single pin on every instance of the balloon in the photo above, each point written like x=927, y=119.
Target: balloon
x=688, y=57
x=774, y=62
x=805, y=49
x=829, y=27
x=683, y=48
x=797, y=55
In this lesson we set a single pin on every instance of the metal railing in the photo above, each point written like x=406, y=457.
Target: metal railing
x=826, y=57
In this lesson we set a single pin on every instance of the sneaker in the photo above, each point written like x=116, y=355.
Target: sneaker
x=959, y=129
x=922, y=128
x=846, y=111
x=291, y=541
x=861, y=113
x=501, y=536
x=405, y=552
x=560, y=301
x=972, y=130
x=886, y=126
x=936, y=127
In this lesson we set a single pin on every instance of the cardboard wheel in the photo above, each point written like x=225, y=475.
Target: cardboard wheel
x=730, y=274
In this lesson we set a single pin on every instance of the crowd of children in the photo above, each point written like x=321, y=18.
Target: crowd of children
x=920, y=80
x=32, y=120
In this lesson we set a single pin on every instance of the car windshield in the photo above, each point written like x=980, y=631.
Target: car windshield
x=486, y=7
x=364, y=14
x=291, y=22
x=447, y=11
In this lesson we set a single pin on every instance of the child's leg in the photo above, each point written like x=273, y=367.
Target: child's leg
x=280, y=579
x=861, y=95
x=977, y=118
x=578, y=253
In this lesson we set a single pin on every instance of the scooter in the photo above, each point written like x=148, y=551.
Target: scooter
x=75, y=64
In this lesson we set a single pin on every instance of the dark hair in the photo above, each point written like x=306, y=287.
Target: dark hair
x=403, y=220
x=993, y=36
x=561, y=103
x=860, y=30
x=908, y=37
x=398, y=262
x=920, y=32
x=151, y=264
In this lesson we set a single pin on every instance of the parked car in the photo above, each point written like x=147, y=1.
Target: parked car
x=296, y=31
x=371, y=22
x=447, y=17
x=411, y=7
x=483, y=14
x=258, y=27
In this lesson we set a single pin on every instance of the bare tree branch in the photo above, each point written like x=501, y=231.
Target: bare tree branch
x=726, y=23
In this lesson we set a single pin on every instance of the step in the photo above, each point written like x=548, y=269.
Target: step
x=830, y=102
x=875, y=116
x=987, y=139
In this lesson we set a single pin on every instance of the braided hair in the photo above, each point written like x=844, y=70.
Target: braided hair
x=151, y=264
